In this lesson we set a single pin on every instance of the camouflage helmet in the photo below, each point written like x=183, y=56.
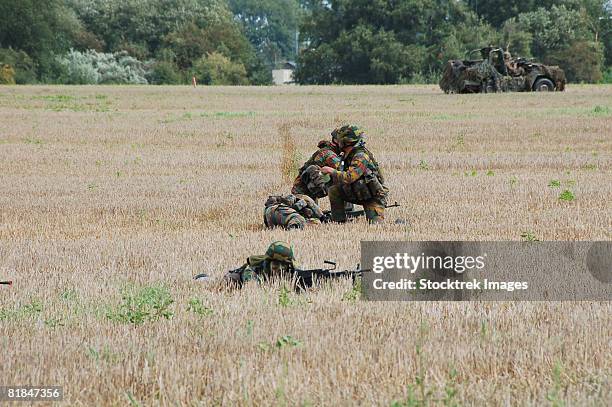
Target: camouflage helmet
x=280, y=251
x=349, y=135
x=334, y=135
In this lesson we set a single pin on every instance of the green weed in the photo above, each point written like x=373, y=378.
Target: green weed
x=284, y=300
x=142, y=304
x=33, y=308
x=460, y=140
x=354, y=293
x=529, y=237
x=249, y=327
x=450, y=390
x=132, y=400
x=554, y=395
x=513, y=181
x=286, y=341
x=483, y=329
x=554, y=183
x=196, y=306
x=54, y=322
x=567, y=196
x=105, y=355
x=34, y=141
x=69, y=295
x=600, y=111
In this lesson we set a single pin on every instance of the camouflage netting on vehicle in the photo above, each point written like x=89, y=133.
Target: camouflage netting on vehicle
x=557, y=75
x=492, y=75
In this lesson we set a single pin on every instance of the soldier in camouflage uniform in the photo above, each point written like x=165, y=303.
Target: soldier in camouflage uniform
x=292, y=211
x=310, y=181
x=278, y=262
x=360, y=181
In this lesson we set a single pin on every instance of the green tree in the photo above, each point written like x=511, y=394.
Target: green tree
x=40, y=29
x=552, y=29
x=566, y=36
x=270, y=25
x=177, y=32
x=582, y=61
x=217, y=69
x=497, y=12
x=385, y=41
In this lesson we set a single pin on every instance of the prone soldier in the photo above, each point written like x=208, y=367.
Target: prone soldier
x=292, y=211
x=277, y=262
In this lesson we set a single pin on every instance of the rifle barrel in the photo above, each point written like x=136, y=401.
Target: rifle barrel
x=6, y=282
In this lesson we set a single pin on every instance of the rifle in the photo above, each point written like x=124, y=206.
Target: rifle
x=6, y=282
x=304, y=279
x=355, y=214
x=307, y=278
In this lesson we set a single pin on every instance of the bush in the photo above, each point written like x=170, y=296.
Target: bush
x=582, y=61
x=21, y=63
x=7, y=75
x=164, y=73
x=607, y=76
x=80, y=69
x=91, y=67
x=217, y=69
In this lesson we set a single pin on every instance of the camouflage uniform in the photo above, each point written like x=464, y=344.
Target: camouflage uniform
x=489, y=75
x=360, y=182
x=307, y=181
x=279, y=259
x=292, y=211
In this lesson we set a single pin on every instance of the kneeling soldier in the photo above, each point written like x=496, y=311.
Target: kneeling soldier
x=310, y=181
x=360, y=182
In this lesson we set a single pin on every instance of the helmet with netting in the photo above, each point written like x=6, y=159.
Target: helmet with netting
x=349, y=135
x=280, y=251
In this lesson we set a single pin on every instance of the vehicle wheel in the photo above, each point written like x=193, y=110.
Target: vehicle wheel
x=543, y=85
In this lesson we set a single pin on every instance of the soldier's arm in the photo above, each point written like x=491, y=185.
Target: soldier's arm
x=235, y=278
x=356, y=170
x=327, y=158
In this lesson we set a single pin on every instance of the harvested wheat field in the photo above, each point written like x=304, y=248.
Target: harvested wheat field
x=113, y=197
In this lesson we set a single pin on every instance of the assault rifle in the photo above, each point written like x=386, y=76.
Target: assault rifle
x=307, y=278
x=355, y=214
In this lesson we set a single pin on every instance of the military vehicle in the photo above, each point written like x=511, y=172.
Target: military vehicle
x=497, y=71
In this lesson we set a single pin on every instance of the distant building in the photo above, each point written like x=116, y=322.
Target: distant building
x=283, y=75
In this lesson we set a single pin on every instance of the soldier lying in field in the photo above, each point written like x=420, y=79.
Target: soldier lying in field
x=277, y=262
x=292, y=212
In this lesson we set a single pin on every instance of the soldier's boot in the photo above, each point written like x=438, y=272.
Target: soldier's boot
x=338, y=213
x=374, y=211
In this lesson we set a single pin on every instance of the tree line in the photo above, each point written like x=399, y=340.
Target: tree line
x=239, y=42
